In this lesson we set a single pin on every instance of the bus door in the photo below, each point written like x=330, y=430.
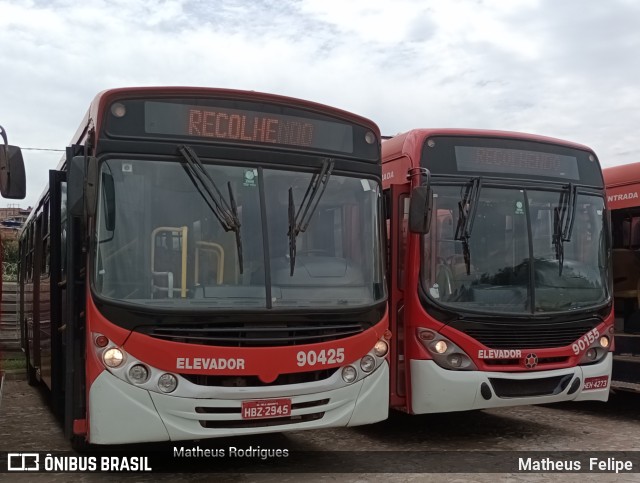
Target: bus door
x=58, y=284
x=398, y=215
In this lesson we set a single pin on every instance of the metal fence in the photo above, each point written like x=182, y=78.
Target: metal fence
x=9, y=326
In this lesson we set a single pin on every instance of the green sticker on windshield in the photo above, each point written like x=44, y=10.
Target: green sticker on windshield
x=250, y=176
x=519, y=208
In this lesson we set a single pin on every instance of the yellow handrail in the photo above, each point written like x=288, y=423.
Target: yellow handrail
x=214, y=248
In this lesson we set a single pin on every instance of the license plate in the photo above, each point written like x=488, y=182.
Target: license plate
x=599, y=382
x=266, y=408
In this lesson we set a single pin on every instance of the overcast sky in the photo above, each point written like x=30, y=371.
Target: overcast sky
x=562, y=68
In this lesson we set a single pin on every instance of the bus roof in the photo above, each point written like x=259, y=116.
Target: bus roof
x=623, y=175
x=103, y=98
x=413, y=139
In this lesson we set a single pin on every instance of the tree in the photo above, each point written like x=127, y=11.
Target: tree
x=10, y=260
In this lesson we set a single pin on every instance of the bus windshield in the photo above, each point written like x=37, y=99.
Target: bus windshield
x=510, y=262
x=160, y=243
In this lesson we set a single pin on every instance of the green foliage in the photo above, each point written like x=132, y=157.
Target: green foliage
x=12, y=364
x=10, y=251
x=10, y=260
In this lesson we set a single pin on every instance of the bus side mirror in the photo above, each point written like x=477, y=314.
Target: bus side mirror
x=13, y=182
x=420, y=208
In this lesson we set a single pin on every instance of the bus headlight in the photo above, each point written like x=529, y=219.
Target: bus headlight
x=444, y=352
x=455, y=360
x=381, y=348
x=113, y=357
x=367, y=363
x=167, y=383
x=138, y=374
x=349, y=374
x=595, y=352
x=440, y=347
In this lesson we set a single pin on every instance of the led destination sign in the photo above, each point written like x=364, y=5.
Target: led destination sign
x=246, y=126
x=515, y=161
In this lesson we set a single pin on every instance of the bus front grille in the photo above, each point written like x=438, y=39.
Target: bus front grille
x=545, y=386
x=255, y=335
x=534, y=335
x=254, y=381
x=260, y=423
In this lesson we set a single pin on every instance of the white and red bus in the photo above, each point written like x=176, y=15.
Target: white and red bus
x=623, y=188
x=209, y=262
x=499, y=266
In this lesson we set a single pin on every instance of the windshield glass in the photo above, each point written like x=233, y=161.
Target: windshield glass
x=581, y=282
x=509, y=225
x=159, y=242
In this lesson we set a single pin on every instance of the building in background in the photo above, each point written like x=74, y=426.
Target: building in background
x=11, y=220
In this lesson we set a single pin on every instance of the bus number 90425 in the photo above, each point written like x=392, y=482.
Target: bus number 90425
x=323, y=357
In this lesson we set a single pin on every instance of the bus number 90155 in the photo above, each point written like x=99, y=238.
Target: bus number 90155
x=585, y=341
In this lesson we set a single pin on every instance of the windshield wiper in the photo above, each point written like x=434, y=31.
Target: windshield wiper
x=225, y=211
x=467, y=208
x=563, y=218
x=299, y=221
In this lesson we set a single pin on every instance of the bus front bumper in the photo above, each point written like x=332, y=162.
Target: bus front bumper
x=121, y=413
x=436, y=390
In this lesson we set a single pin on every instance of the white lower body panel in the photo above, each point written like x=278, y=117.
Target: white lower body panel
x=437, y=390
x=121, y=413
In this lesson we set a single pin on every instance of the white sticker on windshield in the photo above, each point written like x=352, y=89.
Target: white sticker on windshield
x=365, y=184
x=250, y=176
x=519, y=208
x=127, y=168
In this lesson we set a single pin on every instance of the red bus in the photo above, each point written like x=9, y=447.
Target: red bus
x=499, y=267
x=623, y=188
x=209, y=262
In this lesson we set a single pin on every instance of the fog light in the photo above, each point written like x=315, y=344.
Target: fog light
x=138, y=374
x=349, y=374
x=604, y=341
x=440, y=347
x=113, y=357
x=591, y=354
x=101, y=341
x=167, y=383
x=368, y=363
x=381, y=348
x=455, y=360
